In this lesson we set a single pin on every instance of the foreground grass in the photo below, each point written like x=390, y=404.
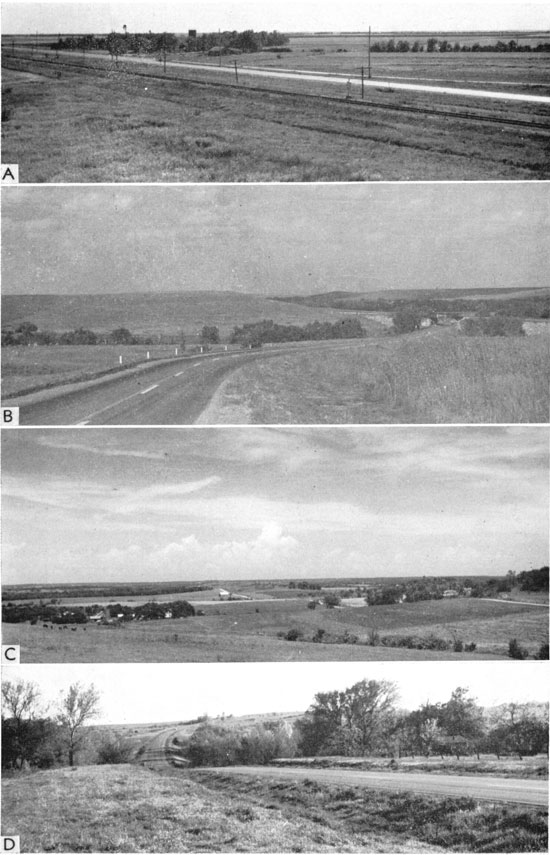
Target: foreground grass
x=458, y=825
x=129, y=809
x=432, y=378
x=80, y=127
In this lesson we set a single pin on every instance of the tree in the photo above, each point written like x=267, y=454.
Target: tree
x=406, y=320
x=350, y=722
x=462, y=720
x=331, y=600
x=210, y=335
x=20, y=706
x=122, y=336
x=77, y=708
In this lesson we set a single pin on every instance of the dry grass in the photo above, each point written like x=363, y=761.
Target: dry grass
x=507, y=767
x=129, y=809
x=80, y=127
x=430, y=378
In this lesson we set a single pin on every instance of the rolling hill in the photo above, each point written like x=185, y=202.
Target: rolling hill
x=159, y=313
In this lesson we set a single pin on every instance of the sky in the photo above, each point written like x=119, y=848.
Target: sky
x=274, y=687
x=274, y=239
x=21, y=16
x=192, y=504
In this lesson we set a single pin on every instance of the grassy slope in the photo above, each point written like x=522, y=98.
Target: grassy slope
x=155, y=313
x=424, y=377
x=81, y=128
x=128, y=809
x=248, y=632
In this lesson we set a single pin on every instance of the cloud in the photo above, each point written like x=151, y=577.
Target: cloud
x=270, y=549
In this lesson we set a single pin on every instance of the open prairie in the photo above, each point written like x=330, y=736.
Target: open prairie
x=243, y=631
x=128, y=809
x=81, y=118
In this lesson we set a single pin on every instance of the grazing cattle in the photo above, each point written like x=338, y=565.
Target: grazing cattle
x=73, y=629
x=45, y=626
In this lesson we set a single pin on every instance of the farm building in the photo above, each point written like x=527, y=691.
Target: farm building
x=450, y=593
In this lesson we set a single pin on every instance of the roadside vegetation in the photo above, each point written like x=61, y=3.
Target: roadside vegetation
x=415, y=378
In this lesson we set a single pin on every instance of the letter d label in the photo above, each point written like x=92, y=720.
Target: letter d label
x=9, y=844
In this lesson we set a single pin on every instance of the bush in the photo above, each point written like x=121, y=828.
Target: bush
x=515, y=651
x=113, y=750
x=294, y=634
x=543, y=652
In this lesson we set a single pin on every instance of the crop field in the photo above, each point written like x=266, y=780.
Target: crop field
x=129, y=809
x=70, y=123
x=431, y=377
x=252, y=631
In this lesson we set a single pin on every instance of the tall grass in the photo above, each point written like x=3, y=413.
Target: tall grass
x=430, y=378
x=471, y=380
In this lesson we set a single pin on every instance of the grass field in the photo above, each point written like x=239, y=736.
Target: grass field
x=81, y=126
x=508, y=767
x=423, y=377
x=247, y=631
x=26, y=369
x=128, y=809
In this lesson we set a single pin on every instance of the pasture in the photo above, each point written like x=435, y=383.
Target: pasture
x=106, y=123
x=427, y=377
x=244, y=631
x=129, y=809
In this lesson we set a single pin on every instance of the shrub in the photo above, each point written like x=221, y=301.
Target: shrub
x=543, y=651
x=469, y=648
x=294, y=634
x=515, y=651
x=113, y=750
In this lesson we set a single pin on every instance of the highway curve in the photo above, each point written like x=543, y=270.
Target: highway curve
x=173, y=393
x=526, y=791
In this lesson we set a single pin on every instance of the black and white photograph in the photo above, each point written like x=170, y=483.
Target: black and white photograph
x=282, y=757
x=431, y=90
x=265, y=544
x=276, y=305
x=275, y=426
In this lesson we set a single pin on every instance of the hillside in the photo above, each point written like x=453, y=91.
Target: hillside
x=160, y=313
x=341, y=298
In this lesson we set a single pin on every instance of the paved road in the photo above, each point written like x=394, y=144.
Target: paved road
x=167, y=394
x=527, y=791
x=340, y=78
x=377, y=84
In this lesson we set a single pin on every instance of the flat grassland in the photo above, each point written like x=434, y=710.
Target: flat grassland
x=26, y=369
x=430, y=377
x=129, y=809
x=72, y=124
x=244, y=631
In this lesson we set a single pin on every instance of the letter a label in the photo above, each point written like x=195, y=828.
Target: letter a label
x=10, y=173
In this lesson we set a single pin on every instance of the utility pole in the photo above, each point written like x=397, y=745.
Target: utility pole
x=369, y=55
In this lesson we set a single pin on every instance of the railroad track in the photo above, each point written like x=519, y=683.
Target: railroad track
x=354, y=102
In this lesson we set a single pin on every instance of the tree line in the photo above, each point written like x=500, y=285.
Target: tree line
x=119, y=44
x=267, y=331
x=58, y=614
x=436, y=45
x=363, y=720
x=27, y=333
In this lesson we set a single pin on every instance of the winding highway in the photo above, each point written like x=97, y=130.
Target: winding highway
x=173, y=393
x=526, y=791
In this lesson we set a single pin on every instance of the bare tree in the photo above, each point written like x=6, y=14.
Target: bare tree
x=20, y=700
x=77, y=708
